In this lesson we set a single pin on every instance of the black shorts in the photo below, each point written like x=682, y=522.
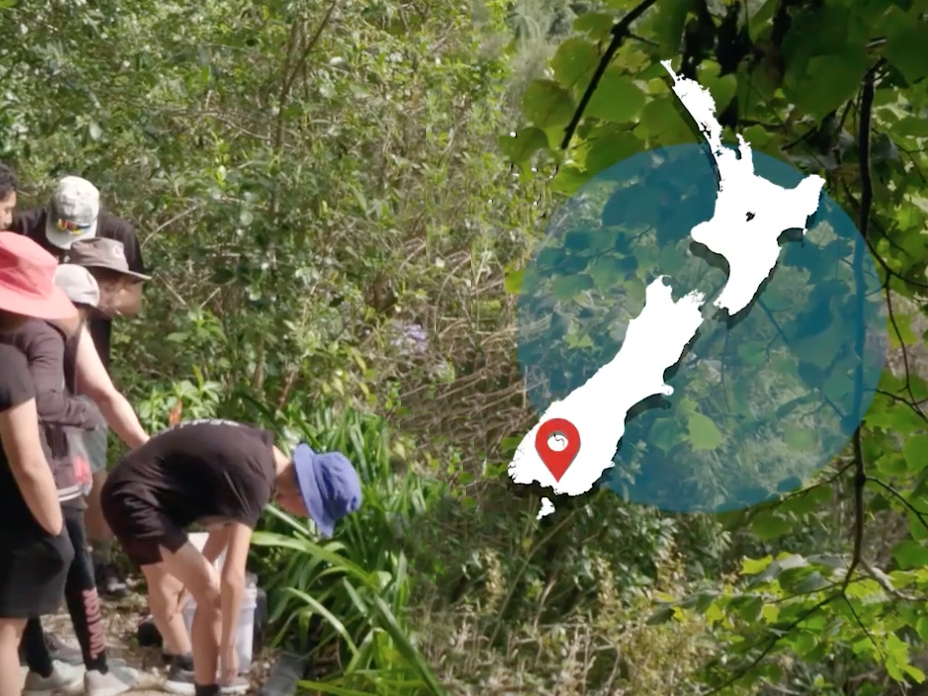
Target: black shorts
x=33, y=570
x=140, y=526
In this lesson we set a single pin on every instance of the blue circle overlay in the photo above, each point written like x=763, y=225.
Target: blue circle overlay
x=762, y=399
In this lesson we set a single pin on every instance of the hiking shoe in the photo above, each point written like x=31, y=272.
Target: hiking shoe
x=237, y=687
x=179, y=681
x=118, y=679
x=109, y=584
x=61, y=652
x=64, y=679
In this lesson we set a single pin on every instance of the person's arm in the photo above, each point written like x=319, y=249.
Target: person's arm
x=248, y=494
x=19, y=431
x=216, y=543
x=52, y=401
x=232, y=585
x=93, y=380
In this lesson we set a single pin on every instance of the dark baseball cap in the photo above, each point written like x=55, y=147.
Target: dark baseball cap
x=100, y=252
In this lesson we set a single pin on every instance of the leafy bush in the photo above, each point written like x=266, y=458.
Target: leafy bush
x=359, y=584
x=607, y=648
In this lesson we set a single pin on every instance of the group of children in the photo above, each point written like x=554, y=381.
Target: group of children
x=66, y=270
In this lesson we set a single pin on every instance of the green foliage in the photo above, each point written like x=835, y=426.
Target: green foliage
x=305, y=179
x=303, y=176
x=788, y=76
x=299, y=176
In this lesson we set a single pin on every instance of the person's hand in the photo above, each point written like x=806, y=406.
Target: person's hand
x=228, y=665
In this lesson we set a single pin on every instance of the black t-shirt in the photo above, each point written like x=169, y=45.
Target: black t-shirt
x=201, y=471
x=15, y=388
x=32, y=224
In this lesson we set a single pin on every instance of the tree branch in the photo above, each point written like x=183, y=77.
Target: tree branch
x=860, y=478
x=866, y=201
x=311, y=44
x=292, y=67
x=863, y=144
x=620, y=32
x=771, y=644
x=919, y=514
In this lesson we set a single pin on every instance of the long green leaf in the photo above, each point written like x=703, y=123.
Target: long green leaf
x=406, y=648
x=308, y=547
x=333, y=621
x=299, y=526
x=365, y=656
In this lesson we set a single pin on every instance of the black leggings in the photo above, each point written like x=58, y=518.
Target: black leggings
x=80, y=594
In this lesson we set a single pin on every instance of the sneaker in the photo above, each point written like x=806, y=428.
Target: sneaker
x=179, y=681
x=109, y=584
x=63, y=653
x=64, y=679
x=118, y=679
x=239, y=686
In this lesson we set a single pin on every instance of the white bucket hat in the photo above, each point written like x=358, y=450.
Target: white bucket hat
x=78, y=284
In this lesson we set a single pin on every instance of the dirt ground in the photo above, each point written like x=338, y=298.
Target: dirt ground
x=121, y=620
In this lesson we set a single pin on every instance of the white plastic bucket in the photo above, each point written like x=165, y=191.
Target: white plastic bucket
x=198, y=539
x=245, y=631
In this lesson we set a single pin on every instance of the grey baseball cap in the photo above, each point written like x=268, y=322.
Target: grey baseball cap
x=72, y=212
x=78, y=284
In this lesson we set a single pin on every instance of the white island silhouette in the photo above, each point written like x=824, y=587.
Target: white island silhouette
x=750, y=215
x=750, y=212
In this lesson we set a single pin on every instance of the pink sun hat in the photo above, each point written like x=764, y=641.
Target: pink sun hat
x=27, y=280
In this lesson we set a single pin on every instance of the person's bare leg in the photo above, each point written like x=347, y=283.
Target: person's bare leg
x=164, y=592
x=201, y=579
x=11, y=632
x=97, y=528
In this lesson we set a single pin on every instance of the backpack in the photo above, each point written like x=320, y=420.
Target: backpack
x=66, y=450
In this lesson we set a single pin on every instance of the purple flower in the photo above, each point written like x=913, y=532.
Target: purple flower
x=411, y=338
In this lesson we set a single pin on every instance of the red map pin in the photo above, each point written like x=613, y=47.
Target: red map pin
x=557, y=462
